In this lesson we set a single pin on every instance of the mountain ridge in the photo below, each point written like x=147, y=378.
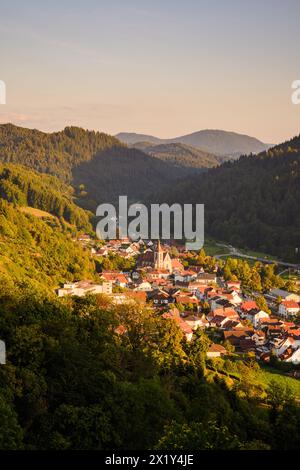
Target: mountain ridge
x=216, y=141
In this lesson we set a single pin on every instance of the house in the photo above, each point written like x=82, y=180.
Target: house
x=83, y=288
x=259, y=337
x=158, y=274
x=219, y=302
x=195, y=321
x=236, y=336
x=206, y=278
x=232, y=324
x=291, y=355
x=218, y=321
x=197, y=288
x=247, y=306
x=143, y=285
x=177, y=266
x=246, y=346
x=255, y=316
x=186, y=299
x=84, y=238
x=289, y=307
x=216, y=350
x=235, y=299
x=282, y=345
x=234, y=285
x=295, y=334
x=185, y=277
x=285, y=295
x=160, y=298
x=118, y=279
x=227, y=312
x=129, y=297
x=102, y=252
x=265, y=323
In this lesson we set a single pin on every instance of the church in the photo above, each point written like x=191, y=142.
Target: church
x=158, y=259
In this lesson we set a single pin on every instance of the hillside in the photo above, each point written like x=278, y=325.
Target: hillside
x=38, y=219
x=24, y=187
x=181, y=155
x=38, y=251
x=218, y=142
x=253, y=202
x=98, y=165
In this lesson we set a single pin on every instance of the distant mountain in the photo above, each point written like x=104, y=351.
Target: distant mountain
x=252, y=202
x=98, y=165
x=181, y=155
x=131, y=138
x=217, y=142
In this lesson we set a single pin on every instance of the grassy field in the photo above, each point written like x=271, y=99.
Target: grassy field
x=269, y=374
x=265, y=375
x=211, y=248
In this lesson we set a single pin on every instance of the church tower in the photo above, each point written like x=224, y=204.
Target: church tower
x=158, y=256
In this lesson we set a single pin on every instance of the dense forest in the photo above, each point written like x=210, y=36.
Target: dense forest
x=253, y=202
x=72, y=381
x=38, y=222
x=99, y=166
x=24, y=187
x=39, y=250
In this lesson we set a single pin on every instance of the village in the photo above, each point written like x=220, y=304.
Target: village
x=161, y=277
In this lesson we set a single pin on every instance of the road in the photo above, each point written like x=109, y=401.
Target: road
x=232, y=251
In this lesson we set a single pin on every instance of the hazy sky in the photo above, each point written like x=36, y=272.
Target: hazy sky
x=160, y=67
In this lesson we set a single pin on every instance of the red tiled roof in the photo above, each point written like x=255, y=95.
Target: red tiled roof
x=249, y=305
x=291, y=304
x=217, y=348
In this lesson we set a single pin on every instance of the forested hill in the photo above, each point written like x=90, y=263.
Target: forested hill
x=55, y=153
x=38, y=250
x=253, y=202
x=24, y=187
x=99, y=166
x=38, y=222
x=181, y=155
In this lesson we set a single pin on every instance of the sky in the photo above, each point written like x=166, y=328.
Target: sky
x=160, y=67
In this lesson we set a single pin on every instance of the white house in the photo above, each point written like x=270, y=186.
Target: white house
x=255, y=316
x=289, y=307
x=294, y=357
x=83, y=288
x=196, y=322
x=216, y=350
x=283, y=346
x=143, y=286
x=285, y=295
x=185, y=276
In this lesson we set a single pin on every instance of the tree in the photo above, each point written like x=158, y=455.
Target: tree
x=262, y=304
x=198, y=436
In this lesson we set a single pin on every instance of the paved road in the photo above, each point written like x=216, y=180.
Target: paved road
x=232, y=251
